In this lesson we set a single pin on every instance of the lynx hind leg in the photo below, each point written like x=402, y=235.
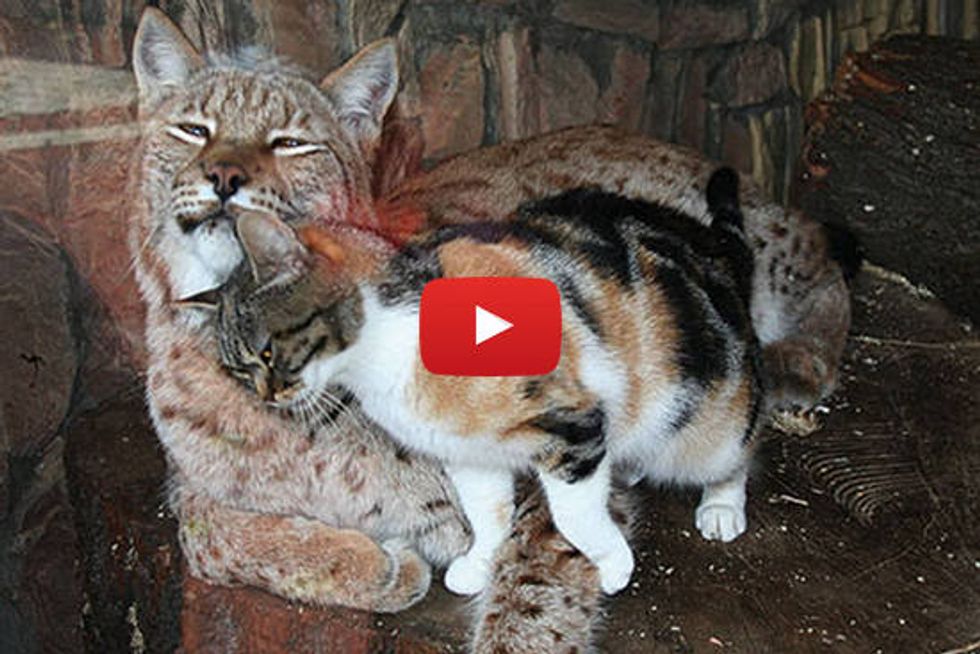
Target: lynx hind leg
x=544, y=595
x=721, y=513
x=299, y=559
x=487, y=498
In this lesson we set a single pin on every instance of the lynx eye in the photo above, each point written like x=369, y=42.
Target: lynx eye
x=287, y=143
x=190, y=133
x=266, y=354
x=200, y=131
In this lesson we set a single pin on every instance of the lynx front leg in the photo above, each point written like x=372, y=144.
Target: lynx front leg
x=487, y=497
x=581, y=513
x=297, y=558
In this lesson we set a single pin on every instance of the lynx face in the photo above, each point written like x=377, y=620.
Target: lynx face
x=228, y=134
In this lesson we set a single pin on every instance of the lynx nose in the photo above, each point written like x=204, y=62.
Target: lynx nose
x=227, y=179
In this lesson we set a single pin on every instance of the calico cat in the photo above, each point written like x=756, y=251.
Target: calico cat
x=658, y=369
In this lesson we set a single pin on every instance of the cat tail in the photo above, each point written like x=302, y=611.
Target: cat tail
x=296, y=558
x=544, y=595
x=722, y=197
x=728, y=226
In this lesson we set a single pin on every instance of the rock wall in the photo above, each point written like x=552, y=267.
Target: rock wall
x=729, y=78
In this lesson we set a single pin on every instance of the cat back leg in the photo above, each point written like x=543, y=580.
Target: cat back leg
x=721, y=513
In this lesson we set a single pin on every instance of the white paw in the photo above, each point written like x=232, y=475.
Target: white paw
x=723, y=522
x=467, y=575
x=615, y=569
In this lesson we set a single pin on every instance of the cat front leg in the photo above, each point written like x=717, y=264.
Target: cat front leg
x=487, y=497
x=721, y=513
x=581, y=513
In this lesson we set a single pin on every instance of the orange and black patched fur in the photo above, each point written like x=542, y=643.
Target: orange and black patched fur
x=658, y=372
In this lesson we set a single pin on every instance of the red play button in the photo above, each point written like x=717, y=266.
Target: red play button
x=490, y=326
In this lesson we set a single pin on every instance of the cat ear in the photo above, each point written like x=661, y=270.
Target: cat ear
x=273, y=249
x=162, y=55
x=318, y=242
x=362, y=90
x=207, y=300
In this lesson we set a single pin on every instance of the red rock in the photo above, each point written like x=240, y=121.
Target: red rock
x=621, y=102
x=568, y=92
x=697, y=26
x=451, y=84
x=736, y=143
x=40, y=353
x=754, y=74
x=691, y=120
x=617, y=16
x=519, y=106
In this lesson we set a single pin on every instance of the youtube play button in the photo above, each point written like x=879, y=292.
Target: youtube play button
x=490, y=326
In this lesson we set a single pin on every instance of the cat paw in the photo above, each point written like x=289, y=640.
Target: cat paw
x=615, y=569
x=467, y=575
x=723, y=522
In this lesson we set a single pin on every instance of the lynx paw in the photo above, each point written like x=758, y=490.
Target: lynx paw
x=615, y=569
x=467, y=575
x=724, y=522
x=411, y=575
x=447, y=541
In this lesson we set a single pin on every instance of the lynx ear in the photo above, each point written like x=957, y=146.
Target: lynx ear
x=362, y=90
x=162, y=55
x=207, y=300
x=274, y=252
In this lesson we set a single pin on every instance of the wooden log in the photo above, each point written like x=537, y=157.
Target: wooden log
x=893, y=151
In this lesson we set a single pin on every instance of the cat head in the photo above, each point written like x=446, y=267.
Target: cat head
x=223, y=134
x=293, y=301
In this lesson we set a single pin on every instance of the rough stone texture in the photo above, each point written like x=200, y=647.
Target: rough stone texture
x=617, y=16
x=519, y=107
x=370, y=19
x=568, y=91
x=736, y=144
x=40, y=593
x=752, y=75
x=691, y=128
x=129, y=554
x=660, y=111
x=451, y=84
x=242, y=621
x=893, y=154
x=696, y=26
x=621, y=102
x=40, y=353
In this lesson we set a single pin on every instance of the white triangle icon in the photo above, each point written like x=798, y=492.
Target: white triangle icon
x=489, y=325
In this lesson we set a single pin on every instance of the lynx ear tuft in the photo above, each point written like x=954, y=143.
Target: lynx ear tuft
x=162, y=56
x=273, y=249
x=362, y=90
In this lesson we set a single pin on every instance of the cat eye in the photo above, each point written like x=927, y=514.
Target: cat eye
x=266, y=354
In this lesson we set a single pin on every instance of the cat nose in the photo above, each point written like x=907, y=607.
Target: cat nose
x=227, y=178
